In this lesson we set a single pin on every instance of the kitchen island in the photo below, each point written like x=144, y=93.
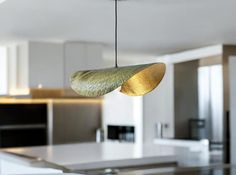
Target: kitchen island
x=98, y=156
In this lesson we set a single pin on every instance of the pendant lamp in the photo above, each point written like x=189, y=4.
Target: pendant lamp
x=136, y=80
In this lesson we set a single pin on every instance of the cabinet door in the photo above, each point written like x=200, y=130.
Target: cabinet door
x=81, y=56
x=3, y=71
x=46, y=67
x=75, y=122
x=23, y=125
x=75, y=59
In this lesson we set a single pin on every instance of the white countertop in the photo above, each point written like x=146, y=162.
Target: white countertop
x=101, y=155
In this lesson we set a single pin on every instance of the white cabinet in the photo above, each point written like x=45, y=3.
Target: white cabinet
x=49, y=64
x=75, y=59
x=3, y=71
x=81, y=56
x=33, y=65
x=46, y=65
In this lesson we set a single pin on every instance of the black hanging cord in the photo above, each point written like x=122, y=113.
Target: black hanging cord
x=116, y=34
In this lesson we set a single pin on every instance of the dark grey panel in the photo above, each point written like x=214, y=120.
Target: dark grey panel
x=75, y=122
x=186, y=96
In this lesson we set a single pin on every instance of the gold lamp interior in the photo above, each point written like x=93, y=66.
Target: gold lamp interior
x=135, y=80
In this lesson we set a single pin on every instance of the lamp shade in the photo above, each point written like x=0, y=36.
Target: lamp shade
x=134, y=80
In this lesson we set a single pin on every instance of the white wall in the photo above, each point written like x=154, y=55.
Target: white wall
x=143, y=112
x=158, y=106
x=232, y=69
x=120, y=109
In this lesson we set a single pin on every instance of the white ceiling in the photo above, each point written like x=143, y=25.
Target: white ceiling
x=145, y=26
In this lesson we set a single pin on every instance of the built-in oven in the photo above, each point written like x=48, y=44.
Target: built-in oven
x=121, y=133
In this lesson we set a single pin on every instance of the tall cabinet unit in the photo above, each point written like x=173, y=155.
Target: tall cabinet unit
x=3, y=70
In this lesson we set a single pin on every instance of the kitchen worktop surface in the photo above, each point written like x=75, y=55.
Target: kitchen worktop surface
x=87, y=156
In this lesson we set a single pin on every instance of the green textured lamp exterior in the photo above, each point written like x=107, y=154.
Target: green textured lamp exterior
x=134, y=80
